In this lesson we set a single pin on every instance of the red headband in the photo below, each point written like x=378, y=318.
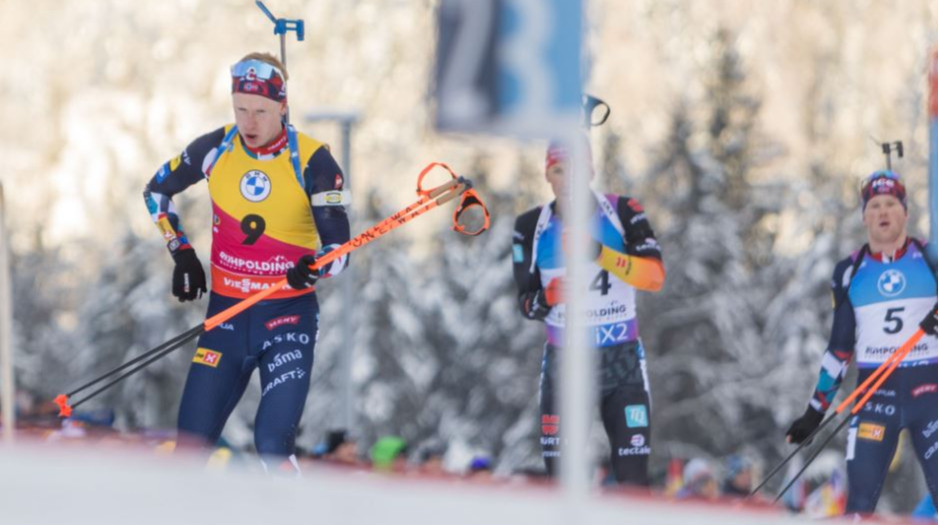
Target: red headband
x=558, y=152
x=256, y=77
x=883, y=183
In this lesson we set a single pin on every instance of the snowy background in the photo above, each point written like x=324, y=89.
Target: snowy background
x=743, y=127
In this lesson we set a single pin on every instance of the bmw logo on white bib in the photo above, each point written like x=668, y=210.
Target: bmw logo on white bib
x=255, y=186
x=891, y=283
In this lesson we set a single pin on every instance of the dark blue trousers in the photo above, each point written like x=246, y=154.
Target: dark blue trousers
x=278, y=338
x=907, y=399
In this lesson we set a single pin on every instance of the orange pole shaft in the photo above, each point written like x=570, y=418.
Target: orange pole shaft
x=427, y=202
x=896, y=355
x=234, y=310
x=902, y=353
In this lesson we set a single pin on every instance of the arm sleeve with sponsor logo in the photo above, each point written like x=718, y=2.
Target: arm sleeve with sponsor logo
x=641, y=264
x=173, y=177
x=527, y=282
x=840, y=343
x=325, y=185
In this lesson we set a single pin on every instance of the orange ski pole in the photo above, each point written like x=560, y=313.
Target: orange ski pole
x=897, y=357
x=428, y=199
x=879, y=376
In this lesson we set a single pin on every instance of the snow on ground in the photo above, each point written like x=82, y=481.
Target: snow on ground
x=78, y=485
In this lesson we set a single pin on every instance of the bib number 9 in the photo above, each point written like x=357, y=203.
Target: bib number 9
x=253, y=227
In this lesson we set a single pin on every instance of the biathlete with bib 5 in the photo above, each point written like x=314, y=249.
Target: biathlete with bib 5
x=882, y=295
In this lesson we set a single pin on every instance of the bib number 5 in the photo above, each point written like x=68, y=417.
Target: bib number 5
x=893, y=323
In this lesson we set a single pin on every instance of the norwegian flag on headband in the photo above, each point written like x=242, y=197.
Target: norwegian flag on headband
x=272, y=88
x=883, y=183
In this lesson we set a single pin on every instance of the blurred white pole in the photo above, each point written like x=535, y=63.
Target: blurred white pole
x=346, y=386
x=7, y=388
x=933, y=172
x=577, y=362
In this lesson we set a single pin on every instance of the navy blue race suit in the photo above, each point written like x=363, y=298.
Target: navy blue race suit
x=878, y=304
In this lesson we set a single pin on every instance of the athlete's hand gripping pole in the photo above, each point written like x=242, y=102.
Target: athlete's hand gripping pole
x=873, y=381
x=428, y=199
x=884, y=371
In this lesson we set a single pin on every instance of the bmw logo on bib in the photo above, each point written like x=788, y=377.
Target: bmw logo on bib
x=255, y=186
x=891, y=283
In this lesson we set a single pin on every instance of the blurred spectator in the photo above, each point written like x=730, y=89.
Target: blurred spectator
x=429, y=458
x=337, y=447
x=389, y=453
x=535, y=474
x=698, y=481
x=673, y=479
x=480, y=469
x=820, y=491
x=102, y=417
x=738, y=477
x=828, y=499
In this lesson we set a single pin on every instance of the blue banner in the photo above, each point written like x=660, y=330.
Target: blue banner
x=509, y=66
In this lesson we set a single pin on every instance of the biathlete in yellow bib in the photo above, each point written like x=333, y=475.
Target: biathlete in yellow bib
x=277, y=203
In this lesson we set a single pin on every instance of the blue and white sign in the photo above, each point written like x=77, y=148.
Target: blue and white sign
x=509, y=66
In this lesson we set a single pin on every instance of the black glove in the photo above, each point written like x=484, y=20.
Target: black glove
x=928, y=325
x=301, y=276
x=534, y=305
x=188, y=276
x=804, y=426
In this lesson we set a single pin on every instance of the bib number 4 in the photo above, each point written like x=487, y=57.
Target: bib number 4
x=601, y=283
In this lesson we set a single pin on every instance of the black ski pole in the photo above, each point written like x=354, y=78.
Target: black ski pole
x=174, y=342
x=132, y=371
x=870, y=385
x=65, y=409
x=807, y=441
x=882, y=373
x=812, y=457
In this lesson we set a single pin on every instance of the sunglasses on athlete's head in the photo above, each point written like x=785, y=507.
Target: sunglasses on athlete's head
x=254, y=69
x=256, y=77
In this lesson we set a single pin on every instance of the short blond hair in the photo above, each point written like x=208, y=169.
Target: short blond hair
x=268, y=58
